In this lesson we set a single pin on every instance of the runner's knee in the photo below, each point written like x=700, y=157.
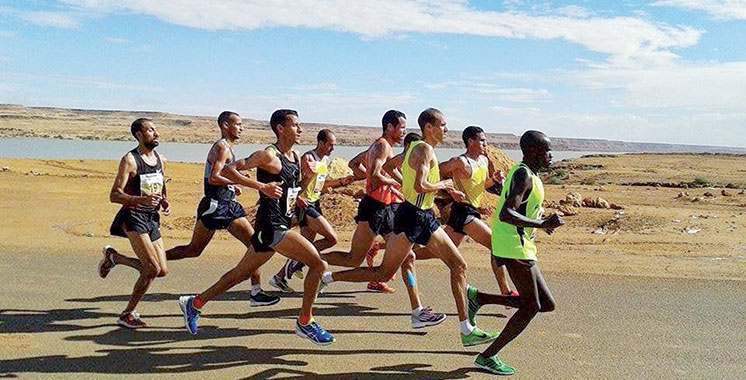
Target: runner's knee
x=151, y=270
x=318, y=266
x=547, y=306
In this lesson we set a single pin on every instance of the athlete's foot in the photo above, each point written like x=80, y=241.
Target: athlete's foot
x=131, y=320
x=107, y=262
x=380, y=287
x=191, y=314
x=314, y=332
x=493, y=365
x=474, y=305
x=293, y=268
x=263, y=299
x=281, y=284
x=426, y=317
x=477, y=336
x=512, y=293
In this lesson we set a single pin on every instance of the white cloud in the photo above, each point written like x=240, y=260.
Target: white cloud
x=721, y=9
x=6, y=34
x=625, y=39
x=116, y=41
x=77, y=82
x=53, y=19
x=517, y=95
x=4, y=59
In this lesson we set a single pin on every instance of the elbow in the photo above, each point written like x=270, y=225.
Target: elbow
x=419, y=188
x=112, y=197
x=504, y=216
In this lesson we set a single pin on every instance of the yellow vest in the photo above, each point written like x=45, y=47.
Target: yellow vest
x=473, y=187
x=312, y=191
x=424, y=201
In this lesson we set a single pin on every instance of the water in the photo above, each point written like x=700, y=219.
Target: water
x=42, y=148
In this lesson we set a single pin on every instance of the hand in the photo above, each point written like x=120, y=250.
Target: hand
x=551, y=223
x=238, y=190
x=152, y=200
x=447, y=185
x=498, y=176
x=166, y=206
x=457, y=195
x=272, y=190
x=301, y=202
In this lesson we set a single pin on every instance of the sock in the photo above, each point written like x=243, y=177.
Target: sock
x=466, y=327
x=305, y=319
x=255, y=289
x=198, y=303
x=417, y=311
x=327, y=278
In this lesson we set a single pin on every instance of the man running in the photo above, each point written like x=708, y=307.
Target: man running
x=217, y=210
x=277, y=164
x=472, y=174
x=415, y=223
x=375, y=217
x=314, y=171
x=140, y=188
x=517, y=215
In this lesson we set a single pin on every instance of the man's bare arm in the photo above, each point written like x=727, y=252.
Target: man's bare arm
x=117, y=195
x=357, y=165
x=454, y=168
x=255, y=160
x=376, y=157
x=393, y=166
x=520, y=186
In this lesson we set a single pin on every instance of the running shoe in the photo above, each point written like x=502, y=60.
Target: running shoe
x=322, y=286
x=293, y=268
x=191, y=314
x=131, y=320
x=107, y=263
x=281, y=284
x=427, y=318
x=263, y=299
x=380, y=287
x=314, y=332
x=493, y=365
x=477, y=336
x=512, y=293
x=471, y=296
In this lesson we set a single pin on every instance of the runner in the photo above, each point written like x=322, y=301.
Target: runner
x=375, y=217
x=472, y=174
x=279, y=165
x=415, y=223
x=141, y=190
x=517, y=215
x=314, y=172
x=217, y=210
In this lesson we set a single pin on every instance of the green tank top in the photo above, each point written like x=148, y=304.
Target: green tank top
x=514, y=242
x=424, y=201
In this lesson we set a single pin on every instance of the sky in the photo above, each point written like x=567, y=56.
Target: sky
x=671, y=71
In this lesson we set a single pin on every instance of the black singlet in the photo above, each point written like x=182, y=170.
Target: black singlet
x=149, y=180
x=278, y=212
x=218, y=192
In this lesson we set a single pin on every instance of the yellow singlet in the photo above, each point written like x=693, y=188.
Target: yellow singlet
x=312, y=192
x=424, y=201
x=473, y=186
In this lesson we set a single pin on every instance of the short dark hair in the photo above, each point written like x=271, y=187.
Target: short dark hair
x=470, y=132
x=137, y=125
x=278, y=117
x=428, y=116
x=530, y=139
x=391, y=116
x=323, y=135
x=225, y=116
x=410, y=137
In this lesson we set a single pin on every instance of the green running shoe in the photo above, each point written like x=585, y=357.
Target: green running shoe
x=473, y=307
x=477, y=337
x=493, y=365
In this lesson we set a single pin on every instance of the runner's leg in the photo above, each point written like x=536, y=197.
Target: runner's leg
x=146, y=252
x=362, y=240
x=201, y=236
x=477, y=230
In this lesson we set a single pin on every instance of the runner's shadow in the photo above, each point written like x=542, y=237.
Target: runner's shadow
x=402, y=371
x=194, y=359
x=335, y=309
x=228, y=296
x=150, y=337
x=55, y=320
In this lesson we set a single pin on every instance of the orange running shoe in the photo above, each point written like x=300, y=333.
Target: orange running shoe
x=380, y=287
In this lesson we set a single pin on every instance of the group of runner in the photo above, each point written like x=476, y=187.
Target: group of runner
x=397, y=206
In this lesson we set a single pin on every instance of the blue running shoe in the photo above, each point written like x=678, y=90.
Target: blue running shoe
x=191, y=314
x=314, y=332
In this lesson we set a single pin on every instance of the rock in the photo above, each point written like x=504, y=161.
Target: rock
x=724, y=193
x=602, y=203
x=707, y=194
x=682, y=194
x=572, y=199
x=696, y=199
x=565, y=210
x=691, y=231
x=5, y=168
x=742, y=192
x=615, y=206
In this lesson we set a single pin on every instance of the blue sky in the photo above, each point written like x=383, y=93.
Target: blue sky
x=661, y=71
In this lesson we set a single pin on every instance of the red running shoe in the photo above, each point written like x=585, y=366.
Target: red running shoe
x=131, y=320
x=380, y=287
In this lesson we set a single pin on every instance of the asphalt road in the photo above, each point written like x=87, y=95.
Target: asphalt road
x=57, y=318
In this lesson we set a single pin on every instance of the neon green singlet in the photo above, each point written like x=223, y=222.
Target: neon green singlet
x=473, y=187
x=312, y=192
x=514, y=242
x=424, y=201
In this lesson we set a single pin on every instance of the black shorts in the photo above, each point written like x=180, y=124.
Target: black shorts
x=461, y=215
x=313, y=210
x=416, y=223
x=380, y=217
x=506, y=261
x=265, y=238
x=142, y=222
x=218, y=215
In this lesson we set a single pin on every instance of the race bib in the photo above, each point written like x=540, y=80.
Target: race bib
x=290, y=200
x=151, y=183
x=320, y=180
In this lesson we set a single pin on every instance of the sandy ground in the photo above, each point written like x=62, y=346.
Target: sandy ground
x=643, y=299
